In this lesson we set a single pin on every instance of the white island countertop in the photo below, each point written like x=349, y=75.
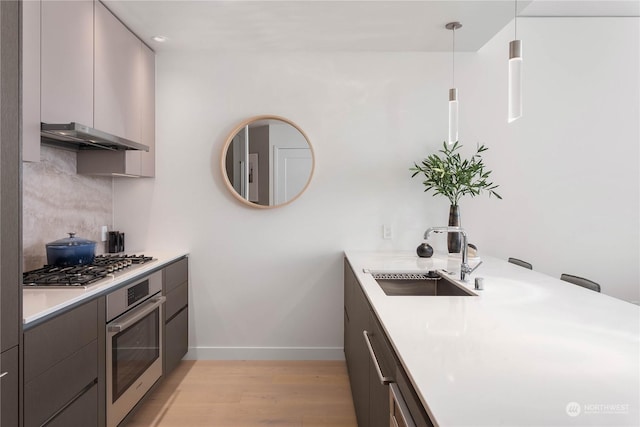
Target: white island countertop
x=528, y=350
x=41, y=303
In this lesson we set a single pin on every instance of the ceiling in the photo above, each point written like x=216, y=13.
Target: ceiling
x=338, y=25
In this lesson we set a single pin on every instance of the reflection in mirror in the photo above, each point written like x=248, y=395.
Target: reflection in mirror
x=267, y=161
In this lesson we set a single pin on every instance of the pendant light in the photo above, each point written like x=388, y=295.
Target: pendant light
x=515, y=72
x=453, y=92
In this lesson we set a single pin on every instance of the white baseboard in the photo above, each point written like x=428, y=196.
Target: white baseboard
x=265, y=353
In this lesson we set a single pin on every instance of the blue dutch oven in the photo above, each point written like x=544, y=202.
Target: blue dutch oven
x=71, y=251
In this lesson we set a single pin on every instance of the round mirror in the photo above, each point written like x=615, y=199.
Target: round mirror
x=267, y=161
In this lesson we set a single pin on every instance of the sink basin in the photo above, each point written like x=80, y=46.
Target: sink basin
x=422, y=287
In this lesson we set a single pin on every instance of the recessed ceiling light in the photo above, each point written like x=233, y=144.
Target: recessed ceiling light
x=159, y=39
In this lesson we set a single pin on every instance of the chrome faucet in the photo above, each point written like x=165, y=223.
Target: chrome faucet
x=464, y=267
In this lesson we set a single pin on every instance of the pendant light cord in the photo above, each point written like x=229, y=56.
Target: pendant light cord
x=453, y=59
x=515, y=20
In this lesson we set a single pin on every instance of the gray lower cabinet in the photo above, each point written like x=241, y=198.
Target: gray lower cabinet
x=177, y=340
x=356, y=351
x=64, y=360
x=176, y=313
x=372, y=362
x=9, y=390
x=63, y=368
x=382, y=370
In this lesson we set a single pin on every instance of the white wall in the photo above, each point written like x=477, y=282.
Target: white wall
x=268, y=283
x=569, y=168
x=273, y=278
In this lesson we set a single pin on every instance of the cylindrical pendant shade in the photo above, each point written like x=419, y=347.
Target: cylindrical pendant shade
x=515, y=80
x=453, y=116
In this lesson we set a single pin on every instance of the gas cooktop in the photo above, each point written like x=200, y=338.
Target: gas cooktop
x=82, y=276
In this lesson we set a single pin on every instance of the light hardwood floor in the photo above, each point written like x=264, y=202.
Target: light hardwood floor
x=251, y=393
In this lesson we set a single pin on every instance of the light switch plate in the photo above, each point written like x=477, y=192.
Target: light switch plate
x=104, y=233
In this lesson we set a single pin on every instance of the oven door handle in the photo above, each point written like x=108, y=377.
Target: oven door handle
x=136, y=315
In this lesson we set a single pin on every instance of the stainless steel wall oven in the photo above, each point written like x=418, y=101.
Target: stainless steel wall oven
x=134, y=344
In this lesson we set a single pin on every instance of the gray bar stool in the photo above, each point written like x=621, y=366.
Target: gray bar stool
x=521, y=263
x=581, y=281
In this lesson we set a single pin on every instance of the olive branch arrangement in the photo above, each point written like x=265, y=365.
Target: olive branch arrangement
x=453, y=177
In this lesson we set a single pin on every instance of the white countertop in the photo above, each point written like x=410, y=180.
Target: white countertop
x=40, y=303
x=522, y=352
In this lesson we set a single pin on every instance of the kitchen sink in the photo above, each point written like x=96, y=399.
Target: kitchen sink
x=420, y=286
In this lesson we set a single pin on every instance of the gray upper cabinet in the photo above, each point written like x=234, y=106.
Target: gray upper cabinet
x=117, y=61
x=124, y=105
x=81, y=64
x=57, y=67
x=147, y=85
x=66, y=52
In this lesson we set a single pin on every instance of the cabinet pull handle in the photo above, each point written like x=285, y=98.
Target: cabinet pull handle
x=383, y=380
x=3, y=374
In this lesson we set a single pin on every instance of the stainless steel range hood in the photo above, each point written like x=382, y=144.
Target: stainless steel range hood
x=80, y=137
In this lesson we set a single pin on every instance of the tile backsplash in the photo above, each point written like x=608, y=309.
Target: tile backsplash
x=57, y=201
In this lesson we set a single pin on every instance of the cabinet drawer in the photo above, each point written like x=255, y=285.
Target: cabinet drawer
x=177, y=299
x=176, y=274
x=417, y=412
x=9, y=388
x=176, y=340
x=50, y=391
x=49, y=343
x=82, y=412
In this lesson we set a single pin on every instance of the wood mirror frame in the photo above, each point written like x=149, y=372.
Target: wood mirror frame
x=228, y=165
